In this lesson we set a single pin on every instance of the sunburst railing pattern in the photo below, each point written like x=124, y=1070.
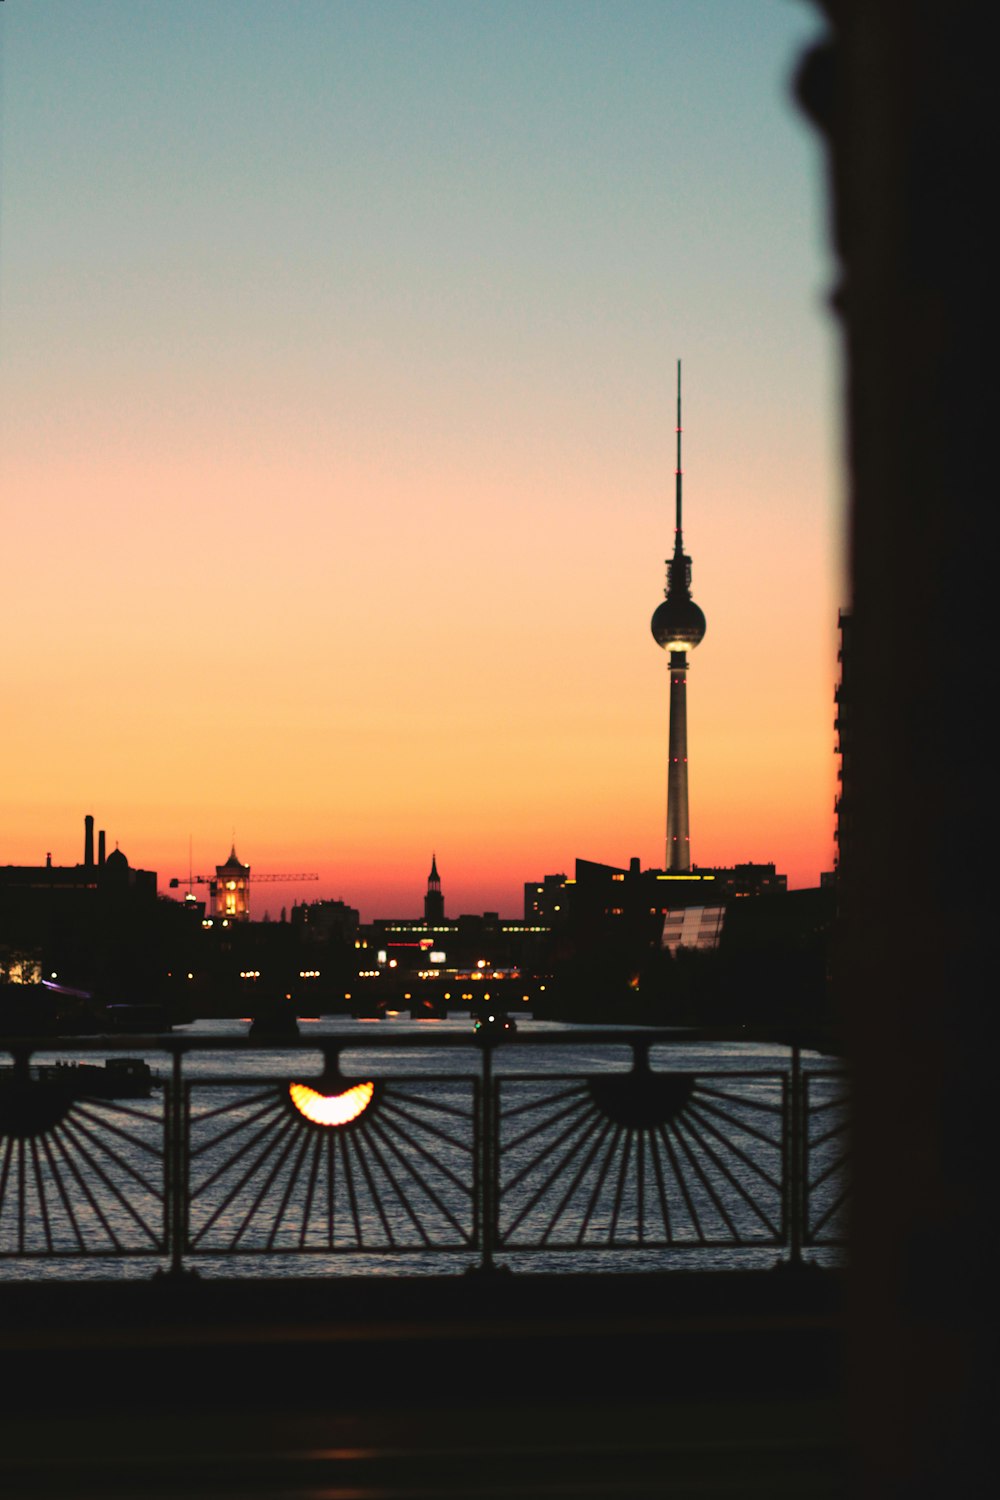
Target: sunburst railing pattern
x=80, y=1176
x=264, y=1178
x=642, y=1159
x=424, y=1152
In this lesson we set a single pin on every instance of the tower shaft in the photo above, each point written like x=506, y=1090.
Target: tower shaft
x=678, y=828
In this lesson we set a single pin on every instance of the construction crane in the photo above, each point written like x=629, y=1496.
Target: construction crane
x=229, y=888
x=190, y=880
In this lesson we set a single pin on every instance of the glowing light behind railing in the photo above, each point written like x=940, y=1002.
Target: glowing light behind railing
x=331, y=1109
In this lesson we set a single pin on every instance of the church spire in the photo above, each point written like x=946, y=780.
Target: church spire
x=433, y=901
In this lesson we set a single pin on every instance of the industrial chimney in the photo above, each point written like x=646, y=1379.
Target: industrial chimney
x=88, y=840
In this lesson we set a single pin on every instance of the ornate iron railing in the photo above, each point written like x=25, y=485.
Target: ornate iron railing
x=341, y=1149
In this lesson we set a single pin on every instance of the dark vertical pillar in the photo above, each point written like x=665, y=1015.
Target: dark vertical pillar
x=906, y=96
x=101, y=848
x=88, y=840
x=678, y=827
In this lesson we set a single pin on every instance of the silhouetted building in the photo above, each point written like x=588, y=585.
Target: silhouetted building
x=92, y=925
x=320, y=921
x=62, y=884
x=613, y=928
x=678, y=625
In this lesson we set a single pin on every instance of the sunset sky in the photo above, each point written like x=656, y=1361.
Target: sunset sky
x=338, y=347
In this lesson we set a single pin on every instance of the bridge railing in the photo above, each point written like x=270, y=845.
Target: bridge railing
x=416, y=1148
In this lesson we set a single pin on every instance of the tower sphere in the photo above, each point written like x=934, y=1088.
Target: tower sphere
x=678, y=624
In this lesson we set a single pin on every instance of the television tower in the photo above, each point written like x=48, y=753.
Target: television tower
x=678, y=625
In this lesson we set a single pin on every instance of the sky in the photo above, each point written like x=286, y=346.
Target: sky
x=338, y=351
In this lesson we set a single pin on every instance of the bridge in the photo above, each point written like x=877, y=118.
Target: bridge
x=424, y=1263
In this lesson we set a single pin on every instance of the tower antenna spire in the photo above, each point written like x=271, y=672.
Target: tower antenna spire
x=680, y=471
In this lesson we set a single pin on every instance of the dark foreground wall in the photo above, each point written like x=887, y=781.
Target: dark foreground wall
x=489, y=1388
x=905, y=95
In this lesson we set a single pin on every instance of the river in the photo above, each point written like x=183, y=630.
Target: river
x=258, y=1177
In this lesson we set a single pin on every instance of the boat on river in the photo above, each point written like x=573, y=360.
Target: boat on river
x=114, y=1078
x=494, y=1023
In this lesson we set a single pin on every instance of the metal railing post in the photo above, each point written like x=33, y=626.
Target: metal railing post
x=488, y=1159
x=176, y=1163
x=796, y=1161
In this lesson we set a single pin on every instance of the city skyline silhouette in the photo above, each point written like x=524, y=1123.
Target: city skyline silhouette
x=338, y=435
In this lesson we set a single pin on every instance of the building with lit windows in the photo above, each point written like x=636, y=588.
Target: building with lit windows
x=436, y=963
x=548, y=900
x=230, y=890
x=630, y=896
